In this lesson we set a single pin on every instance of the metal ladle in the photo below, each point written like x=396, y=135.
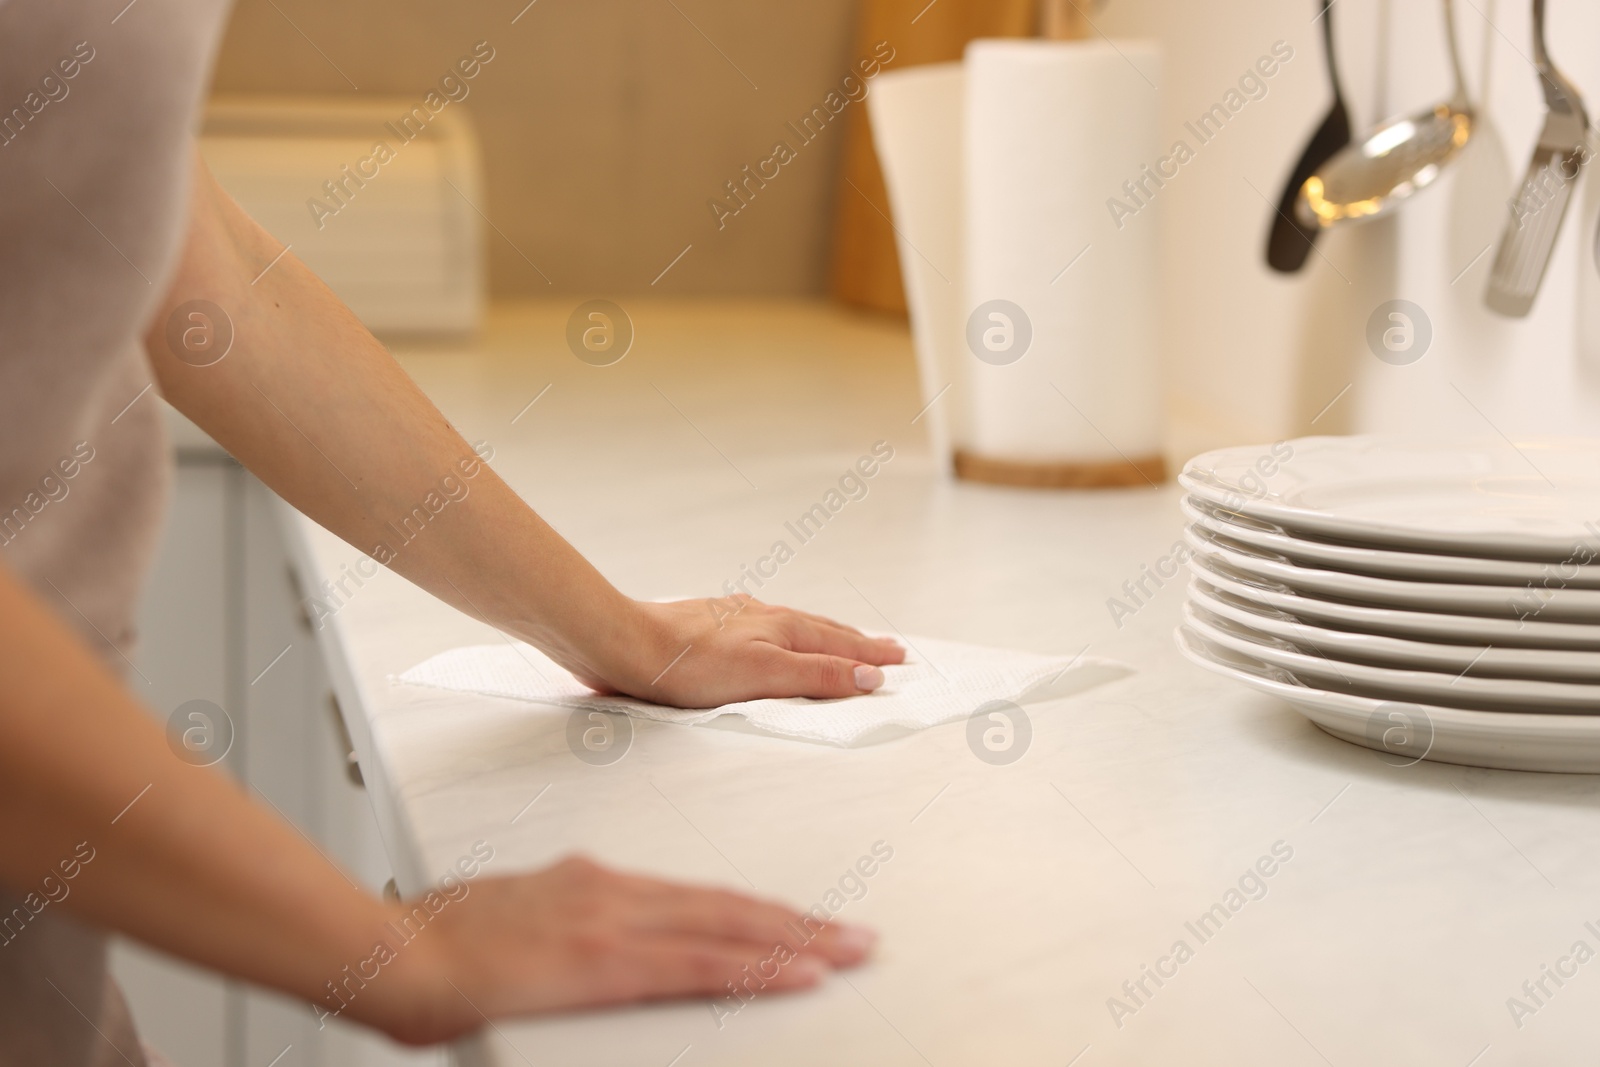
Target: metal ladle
x=1395, y=161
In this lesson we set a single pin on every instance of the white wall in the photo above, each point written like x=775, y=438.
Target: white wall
x=1255, y=356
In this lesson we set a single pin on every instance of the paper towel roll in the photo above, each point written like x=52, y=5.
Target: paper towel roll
x=1053, y=131
x=917, y=117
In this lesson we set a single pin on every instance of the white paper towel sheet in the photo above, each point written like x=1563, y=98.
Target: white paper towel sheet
x=1053, y=131
x=941, y=681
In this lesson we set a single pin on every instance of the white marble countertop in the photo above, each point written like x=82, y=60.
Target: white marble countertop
x=1019, y=898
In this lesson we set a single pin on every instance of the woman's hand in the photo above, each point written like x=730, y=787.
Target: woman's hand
x=578, y=935
x=703, y=653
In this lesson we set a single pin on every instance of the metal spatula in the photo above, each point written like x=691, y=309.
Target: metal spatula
x=1536, y=214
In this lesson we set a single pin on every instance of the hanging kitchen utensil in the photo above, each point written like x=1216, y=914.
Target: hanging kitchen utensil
x=1484, y=180
x=1289, y=240
x=1395, y=161
x=1541, y=204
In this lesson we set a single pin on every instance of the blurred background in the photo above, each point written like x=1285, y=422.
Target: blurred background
x=605, y=126
x=604, y=130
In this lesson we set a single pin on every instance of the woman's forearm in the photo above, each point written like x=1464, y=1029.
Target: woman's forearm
x=173, y=854
x=313, y=405
x=103, y=822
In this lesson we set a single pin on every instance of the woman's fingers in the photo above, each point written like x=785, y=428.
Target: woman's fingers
x=820, y=677
x=746, y=651
x=578, y=935
x=669, y=965
x=878, y=650
x=823, y=620
x=679, y=909
x=627, y=937
x=650, y=906
x=829, y=635
x=806, y=635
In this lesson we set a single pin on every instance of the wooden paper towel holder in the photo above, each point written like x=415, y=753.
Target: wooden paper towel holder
x=1062, y=20
x=1116, y=474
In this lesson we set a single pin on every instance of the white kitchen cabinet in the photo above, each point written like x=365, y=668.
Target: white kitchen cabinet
x=220, y=621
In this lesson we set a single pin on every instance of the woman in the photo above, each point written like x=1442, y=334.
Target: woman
x=110, y=233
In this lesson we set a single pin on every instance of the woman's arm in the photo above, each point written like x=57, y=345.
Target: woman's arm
x=184, y=860
x=179, y=857
x=314, y=406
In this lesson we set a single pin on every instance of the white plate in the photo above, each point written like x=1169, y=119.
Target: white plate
x=1404, y=733
x=1484, y=661
x=1412, y=566
x=1388, y=683
x=1499, y=601
x=1426, y=626
x=1537, y=500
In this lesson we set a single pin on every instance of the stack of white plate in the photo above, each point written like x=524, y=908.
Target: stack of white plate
x=1429, y=600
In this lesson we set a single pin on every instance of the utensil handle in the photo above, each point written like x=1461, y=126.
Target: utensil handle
x=1460, y=100
x=1327, y=50
x=1560, y=95
x=1541, y=55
